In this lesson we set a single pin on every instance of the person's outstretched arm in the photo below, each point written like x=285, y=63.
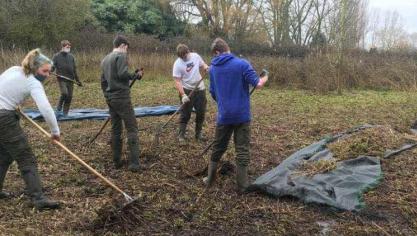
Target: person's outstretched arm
x=38, y=94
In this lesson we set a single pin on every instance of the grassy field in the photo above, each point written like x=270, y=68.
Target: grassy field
x=172, y=202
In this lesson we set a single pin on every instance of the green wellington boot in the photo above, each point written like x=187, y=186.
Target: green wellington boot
x=3, y=172
x=242, y=178
x=211, y=177
x=33, y=185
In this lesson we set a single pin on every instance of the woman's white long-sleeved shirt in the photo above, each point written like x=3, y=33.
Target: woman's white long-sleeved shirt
x=15, y=87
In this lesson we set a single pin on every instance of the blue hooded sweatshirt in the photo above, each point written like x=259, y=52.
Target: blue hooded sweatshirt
x=230, y=78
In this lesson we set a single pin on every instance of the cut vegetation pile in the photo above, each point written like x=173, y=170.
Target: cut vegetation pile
x=373, y=141
x=114, y=217
x=311, y=168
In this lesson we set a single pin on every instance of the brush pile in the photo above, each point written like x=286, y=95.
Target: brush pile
x=373, y=141
x=311, y=168
x=117, y=218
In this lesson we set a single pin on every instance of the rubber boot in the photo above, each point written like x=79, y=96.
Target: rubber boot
x=414, y=125
x=199, y=132
x=211, y=177
x=66, y=108
x=133, y=155
x=33, y=185
x=60, y=103
x=181, y=134
x=117, y=146
x=414, y=128
x=3, y=172
x=242, y=178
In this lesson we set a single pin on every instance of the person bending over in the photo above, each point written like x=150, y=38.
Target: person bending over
x=16, y=84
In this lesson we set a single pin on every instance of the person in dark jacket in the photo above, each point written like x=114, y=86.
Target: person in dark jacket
x=230, y=78
x=115, y=80
x=64, y=64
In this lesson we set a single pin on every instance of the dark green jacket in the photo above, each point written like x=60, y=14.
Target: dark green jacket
x=64, y=64
x=116, y=73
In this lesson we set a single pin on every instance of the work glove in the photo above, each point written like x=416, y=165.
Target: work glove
x=185, y=98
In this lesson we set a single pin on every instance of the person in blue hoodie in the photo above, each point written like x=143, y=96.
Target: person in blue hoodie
x=230, y=78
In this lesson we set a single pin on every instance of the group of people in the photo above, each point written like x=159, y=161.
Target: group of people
x=230, y=79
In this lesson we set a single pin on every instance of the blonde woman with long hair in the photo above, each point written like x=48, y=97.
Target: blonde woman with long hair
x=16, y=84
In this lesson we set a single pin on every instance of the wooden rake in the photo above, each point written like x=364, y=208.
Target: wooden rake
x=128, y=198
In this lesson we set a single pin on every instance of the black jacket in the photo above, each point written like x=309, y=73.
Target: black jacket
x=64, y=64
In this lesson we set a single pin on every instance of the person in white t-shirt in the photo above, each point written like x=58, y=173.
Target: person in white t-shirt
x=16, y=84
x=187, y=77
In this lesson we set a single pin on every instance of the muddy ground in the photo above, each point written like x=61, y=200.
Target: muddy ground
x=173, y=201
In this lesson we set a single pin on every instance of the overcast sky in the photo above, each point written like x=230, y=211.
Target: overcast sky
x=406, y=8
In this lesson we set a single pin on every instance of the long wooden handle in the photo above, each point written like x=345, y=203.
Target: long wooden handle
x=111, y=184
x=63, y=77
x=182, y=105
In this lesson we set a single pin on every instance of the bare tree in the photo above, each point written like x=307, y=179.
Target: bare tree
x=373, y=26
x=301, y=29
x=392, y=33
x=317, y=37
x=276, y=21
x=285, y=22
x=346, y=22
x=232, y=19
x=362, y=22
x=413, y=39
x=185, y=10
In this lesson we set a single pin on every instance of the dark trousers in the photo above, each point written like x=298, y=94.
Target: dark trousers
x=121, y=112
x=199, y=103
x=241, y=137
x=14, y=146
x=66, y=88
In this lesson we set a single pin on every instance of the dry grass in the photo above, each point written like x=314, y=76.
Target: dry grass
x=315, y=72
x=319, y=72
x=373, y=141
x=311, y=168
x=368, y=142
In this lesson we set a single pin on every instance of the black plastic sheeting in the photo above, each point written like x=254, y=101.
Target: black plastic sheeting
x=102, y=114
x=341, y=188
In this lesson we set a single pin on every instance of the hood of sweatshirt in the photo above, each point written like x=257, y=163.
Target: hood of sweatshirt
x=221, y=59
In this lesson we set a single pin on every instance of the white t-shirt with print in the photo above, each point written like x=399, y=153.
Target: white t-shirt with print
x=189, y=71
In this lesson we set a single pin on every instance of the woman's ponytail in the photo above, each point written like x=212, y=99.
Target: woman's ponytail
x=33, y=60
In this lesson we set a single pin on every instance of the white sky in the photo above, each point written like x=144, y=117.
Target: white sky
x=406, y=8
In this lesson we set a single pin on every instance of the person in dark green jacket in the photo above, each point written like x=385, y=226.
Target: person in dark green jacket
x=64, y=64
x=117, y=78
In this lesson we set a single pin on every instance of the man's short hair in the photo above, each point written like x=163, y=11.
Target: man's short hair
x=219, y=45
x=119, y=40
x=182, y=50
x=65, y=42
